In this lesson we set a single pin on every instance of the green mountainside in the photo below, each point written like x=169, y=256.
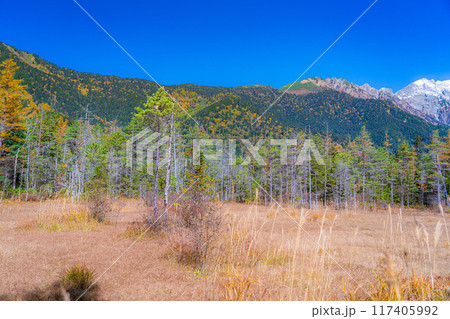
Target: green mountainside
x=341, y=113
x=301, y=85
x=222, y=112
x=70, y=91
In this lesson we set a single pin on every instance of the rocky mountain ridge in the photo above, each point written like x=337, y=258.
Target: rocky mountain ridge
x=425, y=98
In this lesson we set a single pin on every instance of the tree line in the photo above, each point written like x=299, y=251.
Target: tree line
x=46, y=154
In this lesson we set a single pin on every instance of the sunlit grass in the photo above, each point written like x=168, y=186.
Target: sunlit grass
x=73, y=220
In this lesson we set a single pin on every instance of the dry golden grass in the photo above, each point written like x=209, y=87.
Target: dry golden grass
x=73, y=220
x=405, y=288
x=237, y=286
x=306, y=259
x=137, y=230
x=261, y=253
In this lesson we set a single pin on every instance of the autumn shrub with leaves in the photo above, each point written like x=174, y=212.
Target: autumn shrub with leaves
x=138, y=230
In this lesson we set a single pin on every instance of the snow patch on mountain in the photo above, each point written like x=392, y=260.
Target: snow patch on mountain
x=430, y=97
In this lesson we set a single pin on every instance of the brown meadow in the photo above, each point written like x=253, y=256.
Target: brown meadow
x=260, y=253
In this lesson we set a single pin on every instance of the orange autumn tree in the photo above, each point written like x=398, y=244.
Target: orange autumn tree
x=15, y=105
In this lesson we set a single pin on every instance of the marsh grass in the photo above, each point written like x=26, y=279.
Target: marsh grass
x=73, y=220
x=237, y=286
x=79, y=283
x=139, y=230
x=261, y=253
x=411, y=288
x=268, y=256
x=400, y=280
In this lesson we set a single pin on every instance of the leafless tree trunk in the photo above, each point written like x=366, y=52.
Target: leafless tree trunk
x=156, y=182
x=166, y=190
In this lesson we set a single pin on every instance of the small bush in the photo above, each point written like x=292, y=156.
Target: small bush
x=183, y=248
x=99, y=206
x=156, y=224
x=197, y=225
x=156, y=220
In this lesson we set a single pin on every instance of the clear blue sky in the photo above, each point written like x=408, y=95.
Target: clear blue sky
x=234, y=43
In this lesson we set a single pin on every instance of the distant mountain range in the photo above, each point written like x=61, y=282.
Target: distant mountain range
x=427, y=99
x=336, y=105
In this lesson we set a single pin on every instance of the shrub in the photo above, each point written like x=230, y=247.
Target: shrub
x=98, y=206
x=157, y=222
x=184, y=249
x=197, y=224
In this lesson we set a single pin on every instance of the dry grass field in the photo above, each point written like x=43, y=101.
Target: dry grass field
x=260, y=253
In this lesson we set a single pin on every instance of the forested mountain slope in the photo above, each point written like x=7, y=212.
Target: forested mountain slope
x=342, y=114
x=70, y=91
x=223, y=112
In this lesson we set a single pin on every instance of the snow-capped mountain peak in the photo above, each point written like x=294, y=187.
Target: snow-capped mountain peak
x=430, y=97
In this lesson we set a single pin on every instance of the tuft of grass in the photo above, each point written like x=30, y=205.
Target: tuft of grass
x=271, y=257
x=138, y=230
x=390, y=277
x=78, y=282
x=412, y=288
x=237, y=286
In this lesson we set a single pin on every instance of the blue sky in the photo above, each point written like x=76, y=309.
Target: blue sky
x=232, y=43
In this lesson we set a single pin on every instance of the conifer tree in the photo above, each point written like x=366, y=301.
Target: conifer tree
x=154, y=115
x=362, y=148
